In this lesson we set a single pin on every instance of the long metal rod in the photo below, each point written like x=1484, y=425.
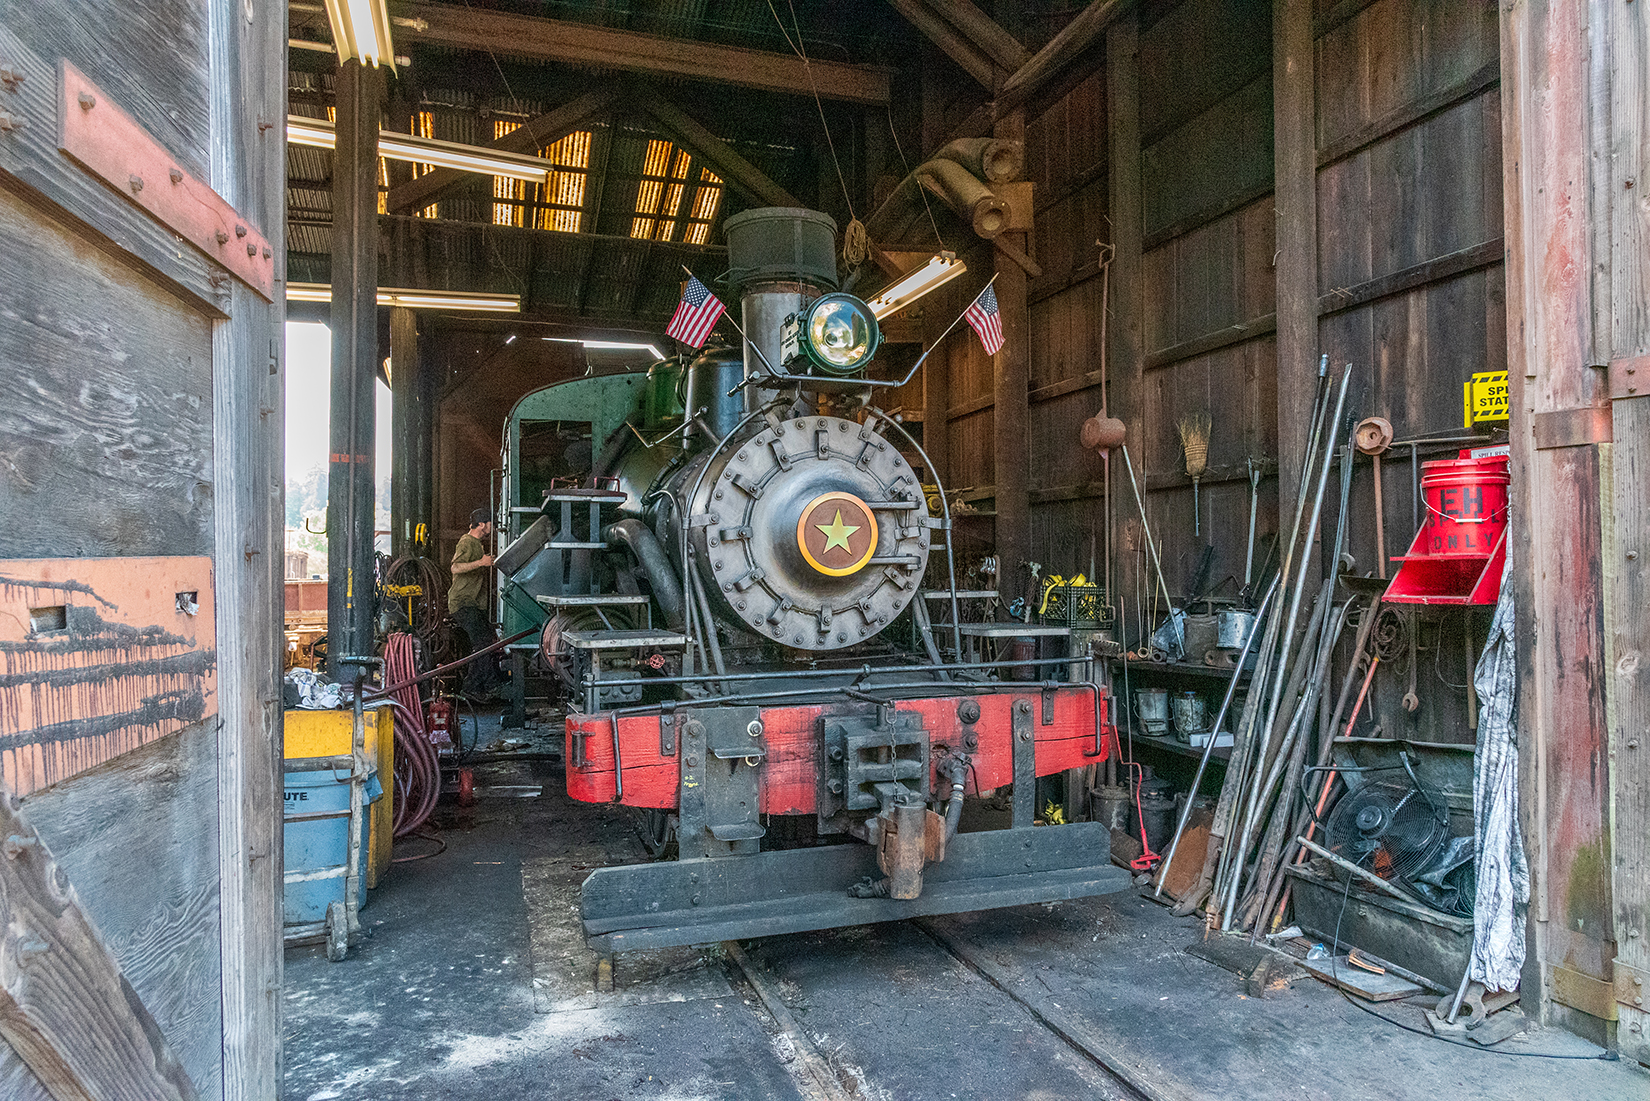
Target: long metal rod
x=1220, y=716
x=1361, y=873
x=1147, y=526
x=1247, y=750
x=1299, y=585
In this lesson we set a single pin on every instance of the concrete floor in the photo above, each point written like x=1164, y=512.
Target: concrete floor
x=475, y=986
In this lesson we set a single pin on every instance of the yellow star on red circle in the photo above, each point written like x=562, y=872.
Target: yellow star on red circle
x=836, y=533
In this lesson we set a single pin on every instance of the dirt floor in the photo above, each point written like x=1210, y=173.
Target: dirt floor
x=475, y=985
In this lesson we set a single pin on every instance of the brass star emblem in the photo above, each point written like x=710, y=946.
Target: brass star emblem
x=836, y=534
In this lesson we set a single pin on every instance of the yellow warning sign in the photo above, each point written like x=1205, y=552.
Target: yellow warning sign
x=1484, y=398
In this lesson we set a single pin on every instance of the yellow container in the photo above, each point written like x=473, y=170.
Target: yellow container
x=328, y=734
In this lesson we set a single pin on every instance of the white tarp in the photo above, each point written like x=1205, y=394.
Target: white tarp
x=1503, y=893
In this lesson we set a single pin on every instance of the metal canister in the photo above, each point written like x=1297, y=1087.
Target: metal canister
x=1190, y=715
x=1151, y=709
x=1232, y=628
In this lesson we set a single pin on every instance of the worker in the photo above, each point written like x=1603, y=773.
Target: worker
x=466, y=601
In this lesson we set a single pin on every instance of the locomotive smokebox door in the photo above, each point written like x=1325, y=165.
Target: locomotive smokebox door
x=721, y=753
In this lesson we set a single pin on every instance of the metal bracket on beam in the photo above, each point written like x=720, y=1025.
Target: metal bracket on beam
x=1024, y=740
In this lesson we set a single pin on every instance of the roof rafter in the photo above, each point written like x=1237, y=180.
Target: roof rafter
x=529, y=138
x=736, y=170
x=604, y=47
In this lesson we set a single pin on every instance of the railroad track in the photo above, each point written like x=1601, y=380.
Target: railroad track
x=819, y=1079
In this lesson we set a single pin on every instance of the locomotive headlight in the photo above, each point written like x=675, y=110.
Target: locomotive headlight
x=840, y=333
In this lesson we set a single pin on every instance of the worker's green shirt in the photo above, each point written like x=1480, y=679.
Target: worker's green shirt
x=467, y=587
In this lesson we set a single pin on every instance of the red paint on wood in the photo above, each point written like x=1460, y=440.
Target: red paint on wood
x=97, y=659
x=788, y=773
x=106, y=140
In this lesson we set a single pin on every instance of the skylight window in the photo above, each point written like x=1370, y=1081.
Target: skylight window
x=671, y=199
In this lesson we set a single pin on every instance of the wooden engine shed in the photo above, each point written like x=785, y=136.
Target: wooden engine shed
x=1199, y=200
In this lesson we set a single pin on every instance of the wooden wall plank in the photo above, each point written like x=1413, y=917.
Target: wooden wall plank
x=65, y=1007
x=248, y=90
x=1564, y=770
x=106, y=432
x=157, y=910
x=1627, y=582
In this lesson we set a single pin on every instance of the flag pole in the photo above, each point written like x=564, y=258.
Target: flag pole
x=729, y=315
x=918, y=364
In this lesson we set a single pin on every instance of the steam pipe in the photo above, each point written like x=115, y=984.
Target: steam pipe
x=667, y=587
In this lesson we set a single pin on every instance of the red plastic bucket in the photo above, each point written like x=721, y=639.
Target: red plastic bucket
x=1466, y=502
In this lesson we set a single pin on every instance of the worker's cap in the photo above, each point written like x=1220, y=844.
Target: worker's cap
x=480, y=516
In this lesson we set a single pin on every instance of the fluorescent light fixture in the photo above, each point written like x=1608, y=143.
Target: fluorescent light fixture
x=936, y=273
x=397, y=146
x=416, y=299
x=610, y=345
x=361, y=30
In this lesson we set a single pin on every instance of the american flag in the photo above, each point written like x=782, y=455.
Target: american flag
x=982, y=315
x=696, y=315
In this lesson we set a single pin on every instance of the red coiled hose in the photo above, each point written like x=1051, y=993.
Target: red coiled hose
x=417, y=770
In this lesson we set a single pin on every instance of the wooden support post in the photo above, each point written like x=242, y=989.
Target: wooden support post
x=249, y=64
x=1125, y=356
x=354, y=364
x=1570, y=155
x=1012, y=387
x=406, y=394
x=1296, y=201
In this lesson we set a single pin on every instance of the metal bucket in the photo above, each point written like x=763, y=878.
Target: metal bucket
x=1190, y=715
x=1151, y=708
x=1111, y=805
x=1232, y=629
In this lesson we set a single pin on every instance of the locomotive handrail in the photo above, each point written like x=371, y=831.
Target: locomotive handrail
x=862, y=671
x=945, y=514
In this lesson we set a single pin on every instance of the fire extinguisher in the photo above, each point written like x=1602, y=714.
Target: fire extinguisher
x=438, y=723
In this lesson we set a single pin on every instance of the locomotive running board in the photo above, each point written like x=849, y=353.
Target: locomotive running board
x=792, y=891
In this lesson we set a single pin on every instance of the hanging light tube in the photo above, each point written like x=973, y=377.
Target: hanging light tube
x=939, y=271
x=416, y=299
x=397, y=146
x=361, y=30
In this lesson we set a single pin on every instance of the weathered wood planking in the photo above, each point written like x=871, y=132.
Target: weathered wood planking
x=1626, y=29
x=155, y=893
x=1197, y=55
x=1222, y=154
x=247, y=93
x=66, y=1009
x=127, y=666
x=1396, y=53
x=106, y=431
x=1213, y=277
x=1552, y=111
x=31, y=165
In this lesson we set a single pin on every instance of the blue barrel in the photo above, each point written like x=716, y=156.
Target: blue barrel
x=320, y=845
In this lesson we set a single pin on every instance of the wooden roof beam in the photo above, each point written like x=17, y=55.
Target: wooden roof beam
x=604, y=47
x=530, y=138
x=1075, y=37
x=736, y=170
x=980, y=30
x=970, y=58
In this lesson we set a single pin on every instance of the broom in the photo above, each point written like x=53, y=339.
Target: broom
x=1194, y=438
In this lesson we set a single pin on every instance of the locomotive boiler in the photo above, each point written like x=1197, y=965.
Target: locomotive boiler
x=736, y=560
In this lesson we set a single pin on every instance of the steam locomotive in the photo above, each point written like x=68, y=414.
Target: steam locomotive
x=731, y=554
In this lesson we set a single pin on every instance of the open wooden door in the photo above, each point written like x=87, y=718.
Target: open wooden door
x=141, y=221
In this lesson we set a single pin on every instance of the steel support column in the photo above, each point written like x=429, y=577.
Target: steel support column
x=354, y=364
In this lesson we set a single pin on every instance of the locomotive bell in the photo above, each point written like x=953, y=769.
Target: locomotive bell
x=812, y=533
